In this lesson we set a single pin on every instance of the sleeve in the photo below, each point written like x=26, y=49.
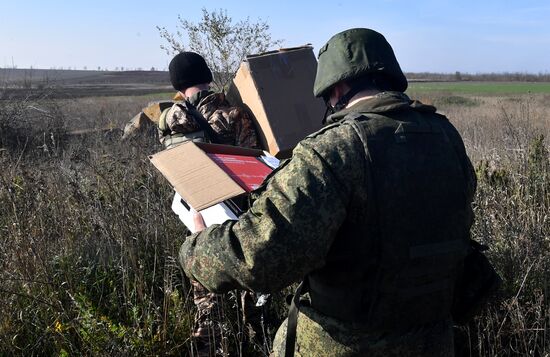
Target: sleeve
x=290, y=227
x=179, y=120
x=471, y=177
x=245, y=131
x=234, y=126
x=467, y=167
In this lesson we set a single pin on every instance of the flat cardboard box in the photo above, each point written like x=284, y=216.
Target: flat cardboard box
x=200, y=183
x=277, y=87
x=195, y=176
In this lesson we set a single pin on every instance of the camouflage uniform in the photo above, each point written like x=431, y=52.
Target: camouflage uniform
x=208, y=321
x=175, y=125
x=233, y=125
x=322, y=215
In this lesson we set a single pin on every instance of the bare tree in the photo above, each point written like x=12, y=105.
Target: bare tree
x=221, y=41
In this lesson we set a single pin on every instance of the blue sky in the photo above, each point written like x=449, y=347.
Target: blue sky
x=427, y=35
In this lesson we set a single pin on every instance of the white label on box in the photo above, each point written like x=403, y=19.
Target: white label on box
x=216, y=214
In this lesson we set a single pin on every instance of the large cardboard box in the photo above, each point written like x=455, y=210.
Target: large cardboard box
x=278, y=88
x=207, y=176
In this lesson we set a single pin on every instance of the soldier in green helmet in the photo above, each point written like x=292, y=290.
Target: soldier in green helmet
x=372, y=214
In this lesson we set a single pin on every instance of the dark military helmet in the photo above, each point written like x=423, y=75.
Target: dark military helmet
x=356, y=53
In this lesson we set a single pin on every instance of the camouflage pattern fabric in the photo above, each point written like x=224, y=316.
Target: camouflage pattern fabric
x=233, y=125
x=319, y=335
x=178, y=121
x=297, y=218
x=208, y=330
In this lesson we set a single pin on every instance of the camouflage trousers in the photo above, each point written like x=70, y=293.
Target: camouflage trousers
x=209, y=328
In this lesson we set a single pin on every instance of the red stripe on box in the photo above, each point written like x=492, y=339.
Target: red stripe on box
x=248, y=171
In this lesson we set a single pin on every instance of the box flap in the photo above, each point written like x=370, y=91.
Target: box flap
x=228, y=149
x=285, y=49
x=195, y=176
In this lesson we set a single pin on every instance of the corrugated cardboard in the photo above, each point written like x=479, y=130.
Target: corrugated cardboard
x=199, y=181
x=278, y=88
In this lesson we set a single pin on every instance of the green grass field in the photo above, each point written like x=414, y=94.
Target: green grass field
x=484, y=88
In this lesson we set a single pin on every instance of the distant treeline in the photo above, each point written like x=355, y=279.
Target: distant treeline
x=44, y=78
x=487, y=77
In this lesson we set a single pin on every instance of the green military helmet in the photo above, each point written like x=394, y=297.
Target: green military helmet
x=355, y=53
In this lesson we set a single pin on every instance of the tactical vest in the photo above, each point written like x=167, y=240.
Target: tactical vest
x=396, y=258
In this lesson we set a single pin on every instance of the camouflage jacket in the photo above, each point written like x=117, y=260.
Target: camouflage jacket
x=300, y=220
x=233, y=125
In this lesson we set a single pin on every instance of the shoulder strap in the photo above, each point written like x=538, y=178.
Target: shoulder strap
x=361, y=130
x=294, y=309
x=292, y=322
x=199, y=118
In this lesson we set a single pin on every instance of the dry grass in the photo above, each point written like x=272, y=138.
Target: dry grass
x=104, y=112
x=88, y=242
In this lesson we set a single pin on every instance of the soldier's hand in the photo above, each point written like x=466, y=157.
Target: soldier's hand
x=199, y=222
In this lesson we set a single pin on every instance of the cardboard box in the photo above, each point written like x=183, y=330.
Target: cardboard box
x=207, y=176
x=278, y=89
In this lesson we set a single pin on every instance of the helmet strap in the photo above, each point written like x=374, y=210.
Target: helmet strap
x=329, y=111
x=344, y=100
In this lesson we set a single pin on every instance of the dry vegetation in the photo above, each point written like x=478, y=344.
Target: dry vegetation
x=88, y=242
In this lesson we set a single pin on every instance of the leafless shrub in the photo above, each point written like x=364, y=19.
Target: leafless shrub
x=221, y=41
x=30, y=123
